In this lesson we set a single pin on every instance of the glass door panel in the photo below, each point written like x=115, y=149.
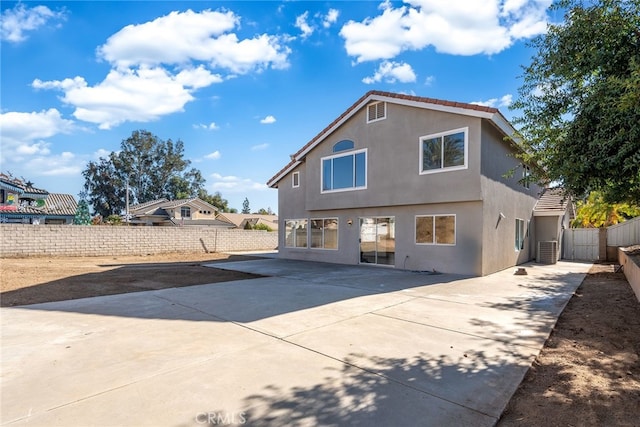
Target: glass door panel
x=377, y=240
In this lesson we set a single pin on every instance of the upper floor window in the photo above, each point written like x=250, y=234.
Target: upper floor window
x=376, y=111
x=295, y=180
x=185, y=212
x=343, y=145
x=343, y=172
x=444, y=151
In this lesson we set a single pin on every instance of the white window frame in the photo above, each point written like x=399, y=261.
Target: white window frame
x=526, y=176
x=295, y=180
x=323, y=247
x=295, y=236
x=464, y=130
x=345, y=154
x=520, y=234
x=377, y=118
x=435, y=239
x=184, y=209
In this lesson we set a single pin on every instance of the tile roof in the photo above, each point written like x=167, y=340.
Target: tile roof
x=377, y=93
x=55, y=204
x=22, y=186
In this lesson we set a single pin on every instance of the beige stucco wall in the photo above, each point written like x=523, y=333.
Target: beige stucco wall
x=393, y=161
x=75, y=240
x=476, y=195
x=462, y=258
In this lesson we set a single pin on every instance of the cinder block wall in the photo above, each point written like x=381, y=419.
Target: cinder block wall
x=18, y=240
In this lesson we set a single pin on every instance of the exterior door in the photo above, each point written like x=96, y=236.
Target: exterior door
x=378, y=240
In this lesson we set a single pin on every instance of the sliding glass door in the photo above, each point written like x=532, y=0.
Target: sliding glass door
x=378, y=240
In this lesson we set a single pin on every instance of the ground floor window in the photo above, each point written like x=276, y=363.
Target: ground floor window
x=436, y=229
x=324, y=233
x=520, y=234
x=295, y=233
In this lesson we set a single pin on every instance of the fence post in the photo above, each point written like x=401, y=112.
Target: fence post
x=602, y=244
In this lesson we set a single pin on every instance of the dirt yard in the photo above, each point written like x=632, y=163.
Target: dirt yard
x=35, y=280
x=588, y=373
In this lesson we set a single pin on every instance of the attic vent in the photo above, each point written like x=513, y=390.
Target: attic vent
x=376, y=111
x=547, y=252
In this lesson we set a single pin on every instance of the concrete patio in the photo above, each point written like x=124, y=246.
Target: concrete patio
x=312, y=344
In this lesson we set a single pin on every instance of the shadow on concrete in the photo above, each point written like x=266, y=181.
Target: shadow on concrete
x=219, y=294
x=388, y=392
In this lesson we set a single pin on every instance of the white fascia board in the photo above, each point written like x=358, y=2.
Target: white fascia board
x=274, y=181
x=357, y=108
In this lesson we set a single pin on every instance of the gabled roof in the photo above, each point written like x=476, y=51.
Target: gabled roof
x=239, y=219
x=553, y=202
x=472, y=110
x=156, y=207
x=146, y=206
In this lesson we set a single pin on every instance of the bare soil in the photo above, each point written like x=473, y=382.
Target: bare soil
x=36, y=280
x=588, y=373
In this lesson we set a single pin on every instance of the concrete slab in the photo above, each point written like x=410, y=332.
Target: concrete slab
x=317, y=344
x=299, y=388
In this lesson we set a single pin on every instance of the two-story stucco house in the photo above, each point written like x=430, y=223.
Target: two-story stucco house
x=409, y=182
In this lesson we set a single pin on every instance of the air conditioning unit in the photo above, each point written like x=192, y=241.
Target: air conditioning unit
x=547, y=252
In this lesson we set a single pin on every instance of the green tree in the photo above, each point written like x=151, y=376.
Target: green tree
x=245, y=206
x=580, y=100
x=595, y=212
x=82, y=217
x=151, y=167
x=216, y=200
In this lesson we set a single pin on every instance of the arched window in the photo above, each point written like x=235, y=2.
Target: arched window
x=343, y=145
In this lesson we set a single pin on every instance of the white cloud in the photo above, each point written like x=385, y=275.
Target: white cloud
x=458, y=27
x=64, y=164
x=22, y=133
x=101, y=153
x=210, y=126
x=428, y=81
x=235, y=184
x=139, y=95
x=213, y=156
x=503, y=101
x=392, y=72
x=157, y=66
x=24, y=142
x=268, y=120
x=260, y=147
x=181, y=37
x=19, y=20
x=303, y=25
x=330, y=18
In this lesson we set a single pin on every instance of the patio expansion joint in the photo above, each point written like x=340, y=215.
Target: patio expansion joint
x=385, y=377
x=504, y=341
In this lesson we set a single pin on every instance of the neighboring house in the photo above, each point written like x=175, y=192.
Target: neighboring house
x=241, y=220
x=413, y=183
x=22, y=203
x=553, y=214
x=163, y=212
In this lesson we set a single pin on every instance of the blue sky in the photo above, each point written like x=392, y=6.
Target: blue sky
x=243, y=84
